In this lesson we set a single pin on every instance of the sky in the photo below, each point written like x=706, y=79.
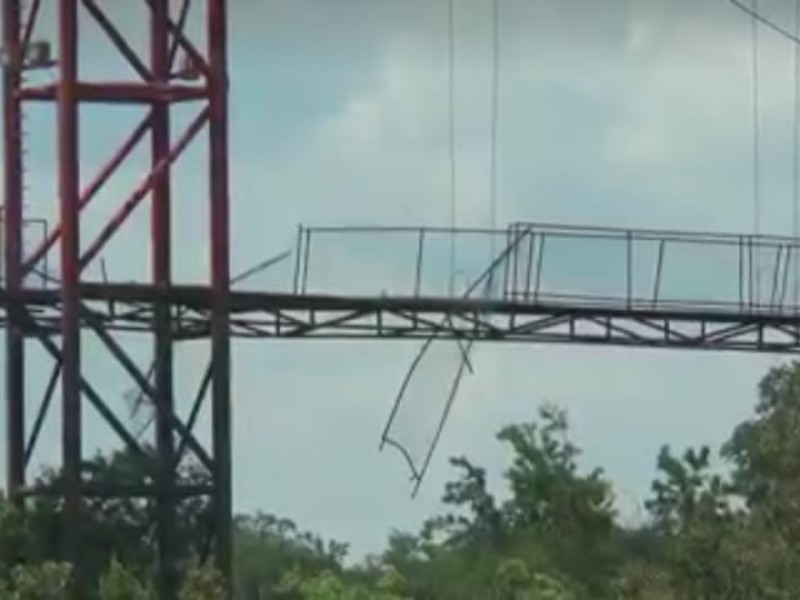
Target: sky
x=634, y=113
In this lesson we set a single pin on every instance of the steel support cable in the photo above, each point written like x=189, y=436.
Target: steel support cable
x=757, y=18
x=754, y=23
x=464, y=366
x=486, y=281
x=451, y=111
x=495, y=118
x=753, y=12
x=796, y=161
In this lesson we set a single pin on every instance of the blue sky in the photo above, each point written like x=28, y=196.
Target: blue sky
x=634, y=114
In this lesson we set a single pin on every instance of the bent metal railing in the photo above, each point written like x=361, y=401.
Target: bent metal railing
x=545, y=263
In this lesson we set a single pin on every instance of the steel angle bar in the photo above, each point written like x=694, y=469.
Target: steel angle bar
x=117, y=39
x=145, y=386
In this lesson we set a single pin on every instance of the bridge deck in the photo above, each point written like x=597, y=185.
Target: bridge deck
x=128, y=307
x=543, y=283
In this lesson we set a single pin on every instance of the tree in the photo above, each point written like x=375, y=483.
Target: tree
x=117, y=527
x=332, y=586
x=266, y=548
x=723, y=526
x=203, y=582
x=120, y=584
x=44, y=581
x=765, y=452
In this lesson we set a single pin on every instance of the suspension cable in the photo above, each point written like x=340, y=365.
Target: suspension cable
x=754, y=23
x=796, y=158
x=451, y=108
x=493, y=177
x=765, y=21
x=756, y=124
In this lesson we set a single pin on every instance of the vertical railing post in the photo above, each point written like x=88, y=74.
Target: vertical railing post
x=306, y=257
x=298, y=251
x=629, y=268
x=506, y=261
x=750, y=272
x=539, y=266
x=529, y=270
x=795, y=282
x=418, y=272
x=518, y=239
x=773, y=296
x=659, y=269
x=741, y=272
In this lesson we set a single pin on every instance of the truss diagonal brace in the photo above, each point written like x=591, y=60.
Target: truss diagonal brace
x=195, y=412
x=183, y=14
x=180, y=39
x=91, y=191
x=42, y=413
x=145, y=386
x=119, y=41
x=97, y=402
x=144, y=188
x=21, y=313
x=27, y=32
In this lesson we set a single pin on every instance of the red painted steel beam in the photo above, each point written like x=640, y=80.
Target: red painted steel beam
x=30, y=22
x=91, y=190
x=118, y=40
x=219, y=220
x=122, y=92
x=12, y=246
x=69, y=208
x=145, y=187
x=161, y=269
x=176, y=30
x=180, y=25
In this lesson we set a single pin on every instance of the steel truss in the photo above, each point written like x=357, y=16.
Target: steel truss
x=265, y=315
x=157, y=83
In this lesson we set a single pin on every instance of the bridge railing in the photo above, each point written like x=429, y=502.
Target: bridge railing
x=546, y=263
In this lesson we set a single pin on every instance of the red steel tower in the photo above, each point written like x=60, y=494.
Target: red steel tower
x=175, y=70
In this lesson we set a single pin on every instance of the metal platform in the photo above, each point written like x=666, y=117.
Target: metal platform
x=543, y=284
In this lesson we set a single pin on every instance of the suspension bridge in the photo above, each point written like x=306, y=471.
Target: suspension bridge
x=529, y=282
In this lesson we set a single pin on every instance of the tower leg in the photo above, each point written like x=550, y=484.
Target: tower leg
x=220, y=283
x=163, y=343
x=68, y=192
x=12, y=234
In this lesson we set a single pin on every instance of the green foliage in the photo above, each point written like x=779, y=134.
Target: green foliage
x=723, y=526
x=118, y=583
x=331, y=586
x=203, y=582
x=266, y=548
x=45, y=581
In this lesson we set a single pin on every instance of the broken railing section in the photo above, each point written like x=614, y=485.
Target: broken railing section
x=591, y=266
x=391, y=261
x=537, y=264
x=420, y=411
